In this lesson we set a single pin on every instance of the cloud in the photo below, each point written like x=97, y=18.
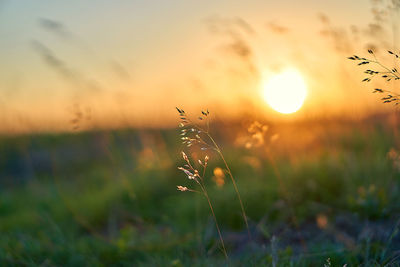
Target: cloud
x=238, y=53
x=338, y=35
x=120, y=70
x=379, y=15
x=323, y=18
x=54, y=27
x=235, y=30
x=236, y=26
x=240, y=48
x=277, y=28
x=69, y=74
x=54, y=62
x=374, y=30
x=244, y=25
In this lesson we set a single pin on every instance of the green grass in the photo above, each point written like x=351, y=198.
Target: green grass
x=110, y=198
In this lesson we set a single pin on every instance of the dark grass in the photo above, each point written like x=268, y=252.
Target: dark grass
x=109, y=198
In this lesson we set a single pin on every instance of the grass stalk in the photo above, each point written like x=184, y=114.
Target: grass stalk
x=233, y=182
x=194, y=134
x=215, y=221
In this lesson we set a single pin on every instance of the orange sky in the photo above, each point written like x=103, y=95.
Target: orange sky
x=132, y=62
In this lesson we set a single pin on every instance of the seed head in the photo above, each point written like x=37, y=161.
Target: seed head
x=182, y=188
x=187, y=172
x=184, y=156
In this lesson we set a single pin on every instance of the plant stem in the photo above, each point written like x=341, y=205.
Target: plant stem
x=216, y=222
x=233, y=182
x=386, y=68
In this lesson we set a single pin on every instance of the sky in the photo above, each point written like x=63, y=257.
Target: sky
x=121, y=62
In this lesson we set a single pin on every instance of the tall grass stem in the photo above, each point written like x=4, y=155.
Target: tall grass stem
x=233, y=182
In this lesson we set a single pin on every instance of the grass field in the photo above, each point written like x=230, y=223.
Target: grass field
x=313, y=191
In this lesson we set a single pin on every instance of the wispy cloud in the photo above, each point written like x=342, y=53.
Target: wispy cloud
x=54, y=62
x=276, y=28
x=55, y=27
x=338, y=35
x=233, y=26
x=239, y=59
x=244, y=25
x=120, y=70
x=61, y=67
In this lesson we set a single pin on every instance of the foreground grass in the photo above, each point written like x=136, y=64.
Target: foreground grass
x=109, y=198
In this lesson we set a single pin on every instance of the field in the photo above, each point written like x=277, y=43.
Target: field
x=316, y=192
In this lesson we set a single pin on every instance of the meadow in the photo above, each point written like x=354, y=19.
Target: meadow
x=322, y=192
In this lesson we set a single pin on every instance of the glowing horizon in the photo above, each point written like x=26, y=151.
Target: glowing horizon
x=120, y=60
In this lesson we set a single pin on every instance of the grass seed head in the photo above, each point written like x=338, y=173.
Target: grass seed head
x=182, y=188
x=388, y=74
x=184, y=156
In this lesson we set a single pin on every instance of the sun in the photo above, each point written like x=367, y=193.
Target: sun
x=285, y=92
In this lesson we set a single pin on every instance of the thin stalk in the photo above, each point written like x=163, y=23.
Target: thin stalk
x=233, y=182
x=386, y=68
x=215, y=221
x=391, y=92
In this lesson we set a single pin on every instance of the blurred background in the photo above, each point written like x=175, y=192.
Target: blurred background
x=90, y=144
x=116, y=61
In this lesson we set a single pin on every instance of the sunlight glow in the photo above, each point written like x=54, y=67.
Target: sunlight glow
x=285, y=92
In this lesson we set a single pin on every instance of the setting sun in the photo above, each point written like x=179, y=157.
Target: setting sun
x=285, y=92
